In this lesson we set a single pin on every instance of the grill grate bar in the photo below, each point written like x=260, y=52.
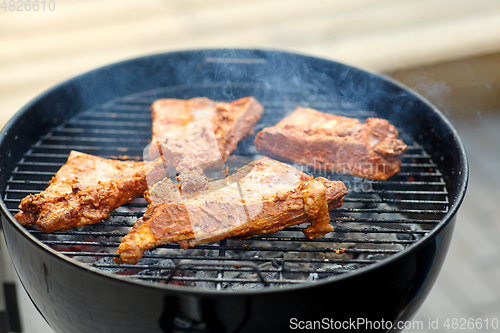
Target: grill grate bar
x=387, y=200
x=346, y=200
x=337, y=220
x=350, y=220
x=402, y=192
x=76, y=147
x=409, y=183
x=41, y=164
x=204, y=269
x=261, y=238
x=414, y=173
x=419, y=165
x=337, y=229
x=393, y=221
x=113, y=115
x=219, y=258
x=415, y=147
x=339, y=210
x=134, y=124
x=399, y=211
x=369, y=230
x=233, y=248
x=20, y=191
x=95, y=139
x=337, y=240
x=381, y=230
x=65, y=156
x=33, y=173
x=222, y=280
x=23, y=181
x=127, y=214
x=414, y=156
x=102, y=131
x=119, y=106
x=98, y=148
x=45, y=155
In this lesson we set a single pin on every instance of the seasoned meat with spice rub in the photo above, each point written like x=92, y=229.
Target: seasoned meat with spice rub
x=334, y=143
x=212, y=129
x=262, y=197
x=85, y=190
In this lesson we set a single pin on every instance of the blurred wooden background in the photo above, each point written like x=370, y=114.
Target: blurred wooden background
x=448, y=50
x=39, y=49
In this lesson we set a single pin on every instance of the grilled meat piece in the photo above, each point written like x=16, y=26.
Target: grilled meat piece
x=85, y=190
x=335, y=143
x=262, y=197
x=214, y=130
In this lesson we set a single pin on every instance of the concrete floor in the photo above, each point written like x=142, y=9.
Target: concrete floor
x=469, y=283
x=31, y=320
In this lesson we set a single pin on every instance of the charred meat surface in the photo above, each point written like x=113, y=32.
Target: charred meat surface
x=262, y=197
x=85, y=190
x=228, y=123
x=335, y=143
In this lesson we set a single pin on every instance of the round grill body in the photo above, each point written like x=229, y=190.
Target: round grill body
x=378, y=281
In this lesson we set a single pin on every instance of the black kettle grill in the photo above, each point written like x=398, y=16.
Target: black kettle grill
x=390, y=239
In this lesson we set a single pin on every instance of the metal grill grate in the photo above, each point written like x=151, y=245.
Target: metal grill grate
x=377, y=220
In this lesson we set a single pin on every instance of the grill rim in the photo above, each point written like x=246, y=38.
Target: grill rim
x=463, y=177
